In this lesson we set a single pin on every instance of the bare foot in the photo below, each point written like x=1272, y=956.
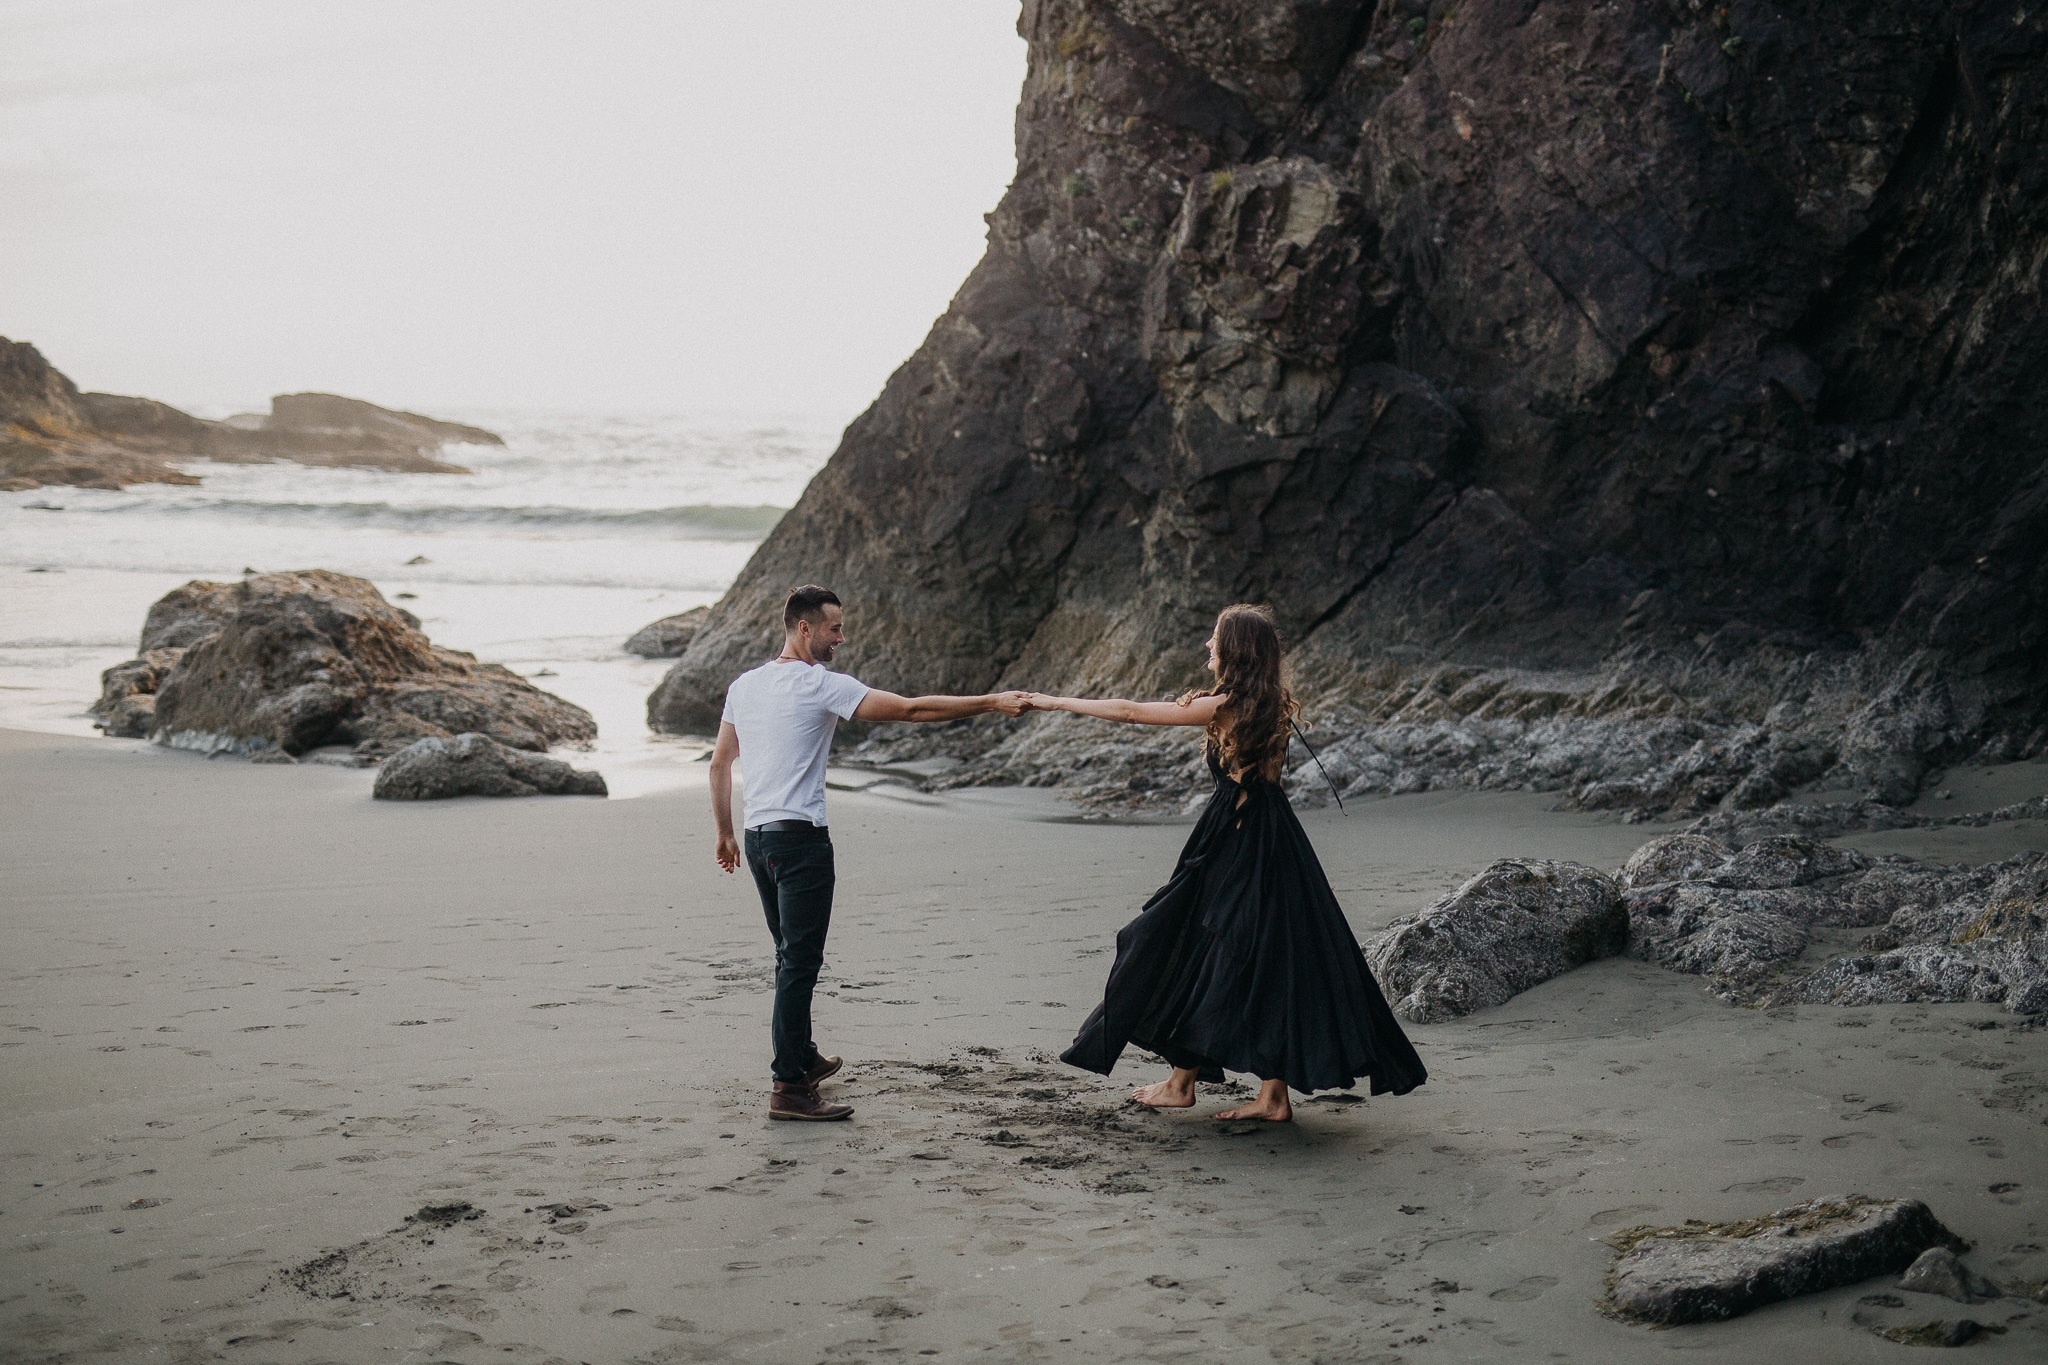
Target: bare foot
x=1175, y=1092
x=1272, y=1105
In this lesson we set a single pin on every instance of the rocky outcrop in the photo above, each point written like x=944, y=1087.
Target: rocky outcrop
x=476, y=765
x=1831, y=820
x=296, y=661
x=50, y=433
x=1518, y=923
x=330, y=414
x=1746, y=919
x=1631, y=401
x=47, y=438
x=1709, y=1272
x=1974, y=934
x=668, y=637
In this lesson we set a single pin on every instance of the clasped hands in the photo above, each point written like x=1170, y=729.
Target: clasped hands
x=1017, y=702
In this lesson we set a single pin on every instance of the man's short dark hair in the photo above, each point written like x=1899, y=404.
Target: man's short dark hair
x=807, y=603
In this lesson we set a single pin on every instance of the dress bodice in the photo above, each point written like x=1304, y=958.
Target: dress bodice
x=1251, y=777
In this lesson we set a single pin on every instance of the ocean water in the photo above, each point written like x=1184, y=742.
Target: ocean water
x=575, y=533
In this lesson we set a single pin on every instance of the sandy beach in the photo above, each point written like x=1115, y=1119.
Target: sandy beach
x=253, y=1021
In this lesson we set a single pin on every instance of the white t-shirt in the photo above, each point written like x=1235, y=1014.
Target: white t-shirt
x=785, y=714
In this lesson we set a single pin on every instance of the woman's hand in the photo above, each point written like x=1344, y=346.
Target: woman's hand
x=1041, y=701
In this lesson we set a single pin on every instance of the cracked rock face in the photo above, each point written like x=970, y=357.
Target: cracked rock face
x=1630, y=401
x=1518, y=923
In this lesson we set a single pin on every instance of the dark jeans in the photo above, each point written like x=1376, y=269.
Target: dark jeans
x=793, y=872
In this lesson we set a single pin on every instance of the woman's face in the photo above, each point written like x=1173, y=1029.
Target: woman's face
x=1211, y=647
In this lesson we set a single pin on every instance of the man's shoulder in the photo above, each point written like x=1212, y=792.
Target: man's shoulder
x=794, y=681
x=753, y=683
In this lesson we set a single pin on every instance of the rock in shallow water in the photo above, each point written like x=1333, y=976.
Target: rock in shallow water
x=299, y=660
x=668, y=637
x=1707, y=1272
x=1519, y=922
x=476, y=765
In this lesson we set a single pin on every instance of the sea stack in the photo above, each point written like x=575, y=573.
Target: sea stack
x=1632, y=401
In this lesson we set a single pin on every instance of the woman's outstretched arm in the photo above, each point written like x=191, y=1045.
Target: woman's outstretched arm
x=1196, y=711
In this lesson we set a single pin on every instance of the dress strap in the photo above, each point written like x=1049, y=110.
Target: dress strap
x=1319, y=764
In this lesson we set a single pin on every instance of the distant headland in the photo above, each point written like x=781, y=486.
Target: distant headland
x=51, y=433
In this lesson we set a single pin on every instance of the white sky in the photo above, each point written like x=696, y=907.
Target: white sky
x=742, y=206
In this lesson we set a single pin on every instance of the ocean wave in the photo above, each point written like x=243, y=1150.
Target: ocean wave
x=693, y=522
x=386, y=577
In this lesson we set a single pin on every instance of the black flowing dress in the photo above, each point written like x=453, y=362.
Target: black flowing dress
x=1244, y=961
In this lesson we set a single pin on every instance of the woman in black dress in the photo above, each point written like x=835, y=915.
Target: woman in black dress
x=1243, y=960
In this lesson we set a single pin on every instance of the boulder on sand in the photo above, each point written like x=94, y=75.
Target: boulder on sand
x=1520, y=922
x=298, y=660
x=668, y=637
x=1708, y=1272
x=1940, y=1271
x=477, y=765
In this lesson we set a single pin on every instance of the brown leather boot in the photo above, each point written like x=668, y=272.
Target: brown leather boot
x=798, y=1100
x=826, y=1068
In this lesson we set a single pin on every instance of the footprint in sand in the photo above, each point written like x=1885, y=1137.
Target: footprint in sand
x=1609, y=1217
x=1524, y=1290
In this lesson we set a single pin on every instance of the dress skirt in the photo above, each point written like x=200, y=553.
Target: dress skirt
x=1243, y=961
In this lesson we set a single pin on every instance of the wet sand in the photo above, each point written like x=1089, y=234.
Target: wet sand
x=252, y=1020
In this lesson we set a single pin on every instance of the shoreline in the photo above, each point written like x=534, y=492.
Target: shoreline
x=252, y=1030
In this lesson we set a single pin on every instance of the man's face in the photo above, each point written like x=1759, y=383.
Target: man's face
x=824, y=637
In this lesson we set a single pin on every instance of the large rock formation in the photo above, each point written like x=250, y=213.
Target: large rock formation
x=296, y=661
x=50, y=433
x=1632, y=400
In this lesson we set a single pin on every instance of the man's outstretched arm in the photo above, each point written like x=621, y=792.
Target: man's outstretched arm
x=722, y=754
x=879, y=706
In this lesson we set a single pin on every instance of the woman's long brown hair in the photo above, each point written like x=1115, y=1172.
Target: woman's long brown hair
x=1248, y=673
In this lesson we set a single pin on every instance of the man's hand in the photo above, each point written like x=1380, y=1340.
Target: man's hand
x=728, y=852
x=1013, y=703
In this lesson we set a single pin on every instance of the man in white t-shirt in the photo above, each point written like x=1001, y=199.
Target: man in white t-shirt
x=780, y=717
